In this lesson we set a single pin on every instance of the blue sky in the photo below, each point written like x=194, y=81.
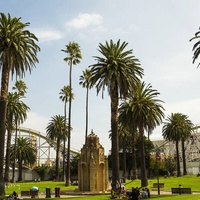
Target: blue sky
x=157, y=31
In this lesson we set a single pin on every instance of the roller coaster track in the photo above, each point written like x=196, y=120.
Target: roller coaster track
x=192, y=146
x=45, y=146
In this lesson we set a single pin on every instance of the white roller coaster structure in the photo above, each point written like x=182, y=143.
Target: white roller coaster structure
x=45, y=147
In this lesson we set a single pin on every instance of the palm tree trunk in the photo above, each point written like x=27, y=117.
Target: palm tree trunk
x=20, y=169
x=144, y=181
x=134, y=165
x=177, y=160
x=124, y=157
x=115, y=138
x=57, y=159
x=7, y=166
x=3, y=107
x=2, y=141
x=64, y=148
x=14, y=156
x=86, y=118
x=69, y=129
x=184, y=161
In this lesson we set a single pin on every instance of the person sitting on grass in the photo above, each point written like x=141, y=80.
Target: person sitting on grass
x=14, y=195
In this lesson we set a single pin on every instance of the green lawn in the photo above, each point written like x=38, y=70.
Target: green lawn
x=186, y=181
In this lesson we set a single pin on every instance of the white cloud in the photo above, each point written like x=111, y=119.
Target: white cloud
x=48, y=34
x=36, y=121
x=190, y=107
x=85, y=20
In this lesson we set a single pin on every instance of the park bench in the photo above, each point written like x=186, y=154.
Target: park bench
x=155, y=186
x=25, y=193
x=181, y=190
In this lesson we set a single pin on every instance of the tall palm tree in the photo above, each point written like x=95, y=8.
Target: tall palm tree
x=186, y=133
x=18, y=53
x=146, y=112
x=73, y=58
x=24, y=153
x=64, y=96
x=177, y=128
x=20, y=88
x=196, y=47
x=16, y=108
x=56, y=131
x=85, y=81
x=119, y=71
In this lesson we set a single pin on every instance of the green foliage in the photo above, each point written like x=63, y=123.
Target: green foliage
x=170, y=165
x=74, y=165
x=41, y=170
x=148, y=147
x=53, y=174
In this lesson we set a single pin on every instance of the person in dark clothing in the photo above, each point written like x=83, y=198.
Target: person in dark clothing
x=148, y=192
x=134, y=194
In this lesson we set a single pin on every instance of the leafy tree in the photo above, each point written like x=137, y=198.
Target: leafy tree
x=119, y=71
x=41, y=170
x=124, y=135
x=148, y=148
x=24, y=152
x=52, y=172
x=170, y=165
x=125, y=118
x=73, y=58
x=64, y=96
x=56, y=131
x=177, y=128
x=74, y=165
x=196, y=47
x=146, y=112
x=18, y=53
x=85, y=81
x=16, y=109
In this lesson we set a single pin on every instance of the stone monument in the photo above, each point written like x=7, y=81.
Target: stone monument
x=93, y=166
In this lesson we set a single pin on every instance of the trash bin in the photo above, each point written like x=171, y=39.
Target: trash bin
x=57, y=192
x=48, y=192
x=34, y=192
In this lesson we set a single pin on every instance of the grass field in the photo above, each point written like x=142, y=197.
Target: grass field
x=192, y=182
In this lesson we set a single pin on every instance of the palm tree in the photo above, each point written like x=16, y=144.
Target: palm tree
x=74, y=56
x=24, y=153
x=187, y=131
x=18, y=53
x=56, y=131
x=146, y=112
x=21, y=88
x=64, y=96
x=16, y=109
x=196, y=47
x=119, y=71
x=177, y=128
x=85, y=81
